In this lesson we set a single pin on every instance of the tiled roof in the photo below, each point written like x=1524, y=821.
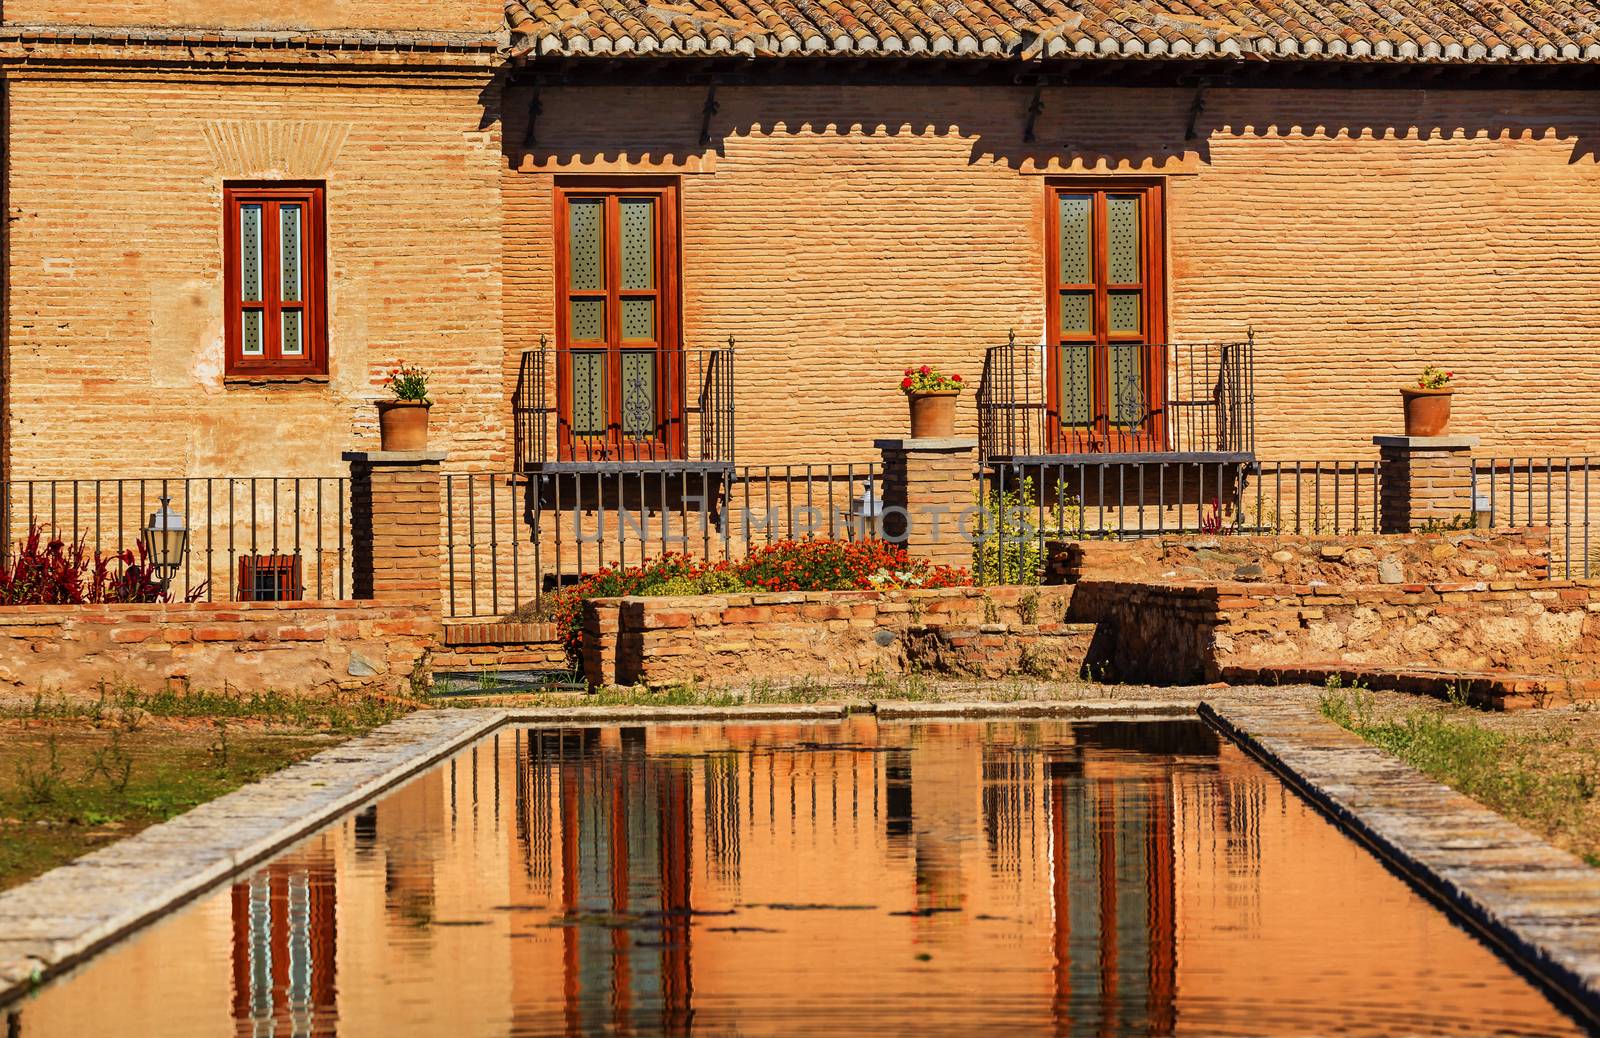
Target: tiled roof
x=1469, y=31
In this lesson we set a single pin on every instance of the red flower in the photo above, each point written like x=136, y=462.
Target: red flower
x=955, y=378
x=908, y=371
x=925, y=370
x=905, y=383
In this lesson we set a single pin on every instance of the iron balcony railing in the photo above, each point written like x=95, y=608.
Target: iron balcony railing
x=1125, y=398
x=625, y=407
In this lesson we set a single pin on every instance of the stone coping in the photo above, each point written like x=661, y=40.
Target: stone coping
x=396, y=457
x=120, y=610
x=1229, y=588
x=1540, y=904
x=1425, y=443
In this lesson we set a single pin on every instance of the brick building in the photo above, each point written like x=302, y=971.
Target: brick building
x=225, y=223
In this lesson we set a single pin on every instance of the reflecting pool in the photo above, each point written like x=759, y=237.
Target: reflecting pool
x=1050, y=877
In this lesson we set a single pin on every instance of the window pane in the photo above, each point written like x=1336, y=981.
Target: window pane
x=250, y=253
x=639, y=319
x=638, y=244
x=589, y=393
x=639, y=393
x=1127, y=386
x=588, y=320
x=1077, y=314
x=585, y=220
x=289, y=251
x=1076, y=401
x=1072, y=217
x=292, y=346
x=1122, y=216
x=1125, y=311
x=252, y=333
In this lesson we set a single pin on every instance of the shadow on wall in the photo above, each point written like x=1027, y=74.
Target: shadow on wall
x=1074, y=128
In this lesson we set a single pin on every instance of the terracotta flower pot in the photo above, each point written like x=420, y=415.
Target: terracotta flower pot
x=933, y=414
x=1427, y=411
x=403, y=424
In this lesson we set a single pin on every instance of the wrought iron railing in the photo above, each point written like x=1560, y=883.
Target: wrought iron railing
x=1562, y=493
x=615, y=408
x=1052, y=401
x=252, y=538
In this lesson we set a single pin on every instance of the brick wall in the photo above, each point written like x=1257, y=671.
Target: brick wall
x=736, y=639
x=115, y=268
x=302, y=648
x=1522, y=554
x=448, y=15
x=849, y=231
x=500, y=646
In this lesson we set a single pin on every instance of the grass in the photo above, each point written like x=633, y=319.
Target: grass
x=1545, y=777
x=77, y=773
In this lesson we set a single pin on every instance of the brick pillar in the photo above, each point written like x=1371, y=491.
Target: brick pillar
x=394, y=524
x=1422, y=479
x=928, y=497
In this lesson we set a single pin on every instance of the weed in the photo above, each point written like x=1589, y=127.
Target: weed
x=112, y=763
x=42, y=785
x=1028, y=606
x=219, y=749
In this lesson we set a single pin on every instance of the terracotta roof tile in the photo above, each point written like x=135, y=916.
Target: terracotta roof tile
x=1395, y=30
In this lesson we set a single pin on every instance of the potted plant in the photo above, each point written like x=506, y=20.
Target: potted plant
x=933, y=401
x=1428, y=402
x=403, y=421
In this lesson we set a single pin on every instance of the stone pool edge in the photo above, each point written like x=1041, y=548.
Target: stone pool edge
x=59, y=919
x=1541, y=904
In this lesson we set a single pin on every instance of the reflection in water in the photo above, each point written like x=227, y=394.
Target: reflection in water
x=1052, y=878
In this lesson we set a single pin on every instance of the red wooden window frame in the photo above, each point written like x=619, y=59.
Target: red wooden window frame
x=281, y=573
x=313, y=279
x=668, y=345
x=1102, y=435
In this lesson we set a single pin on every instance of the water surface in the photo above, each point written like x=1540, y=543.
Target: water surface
x=1106, y=878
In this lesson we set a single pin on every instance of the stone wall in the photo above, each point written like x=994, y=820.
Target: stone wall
x=299, y=648
x=1185, y=633
x=500, y=646
x=735, y=639
x=1418, y=558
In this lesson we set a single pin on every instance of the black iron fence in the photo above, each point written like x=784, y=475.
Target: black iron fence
x=1123, y=398
x=509, y=538
x=250, y=538
x=585, y=407
x=1562, y=493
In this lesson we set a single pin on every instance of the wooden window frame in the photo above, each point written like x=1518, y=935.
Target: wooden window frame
x=313, y=274
x=284, y=572
x=1102, y=436
x=668, y=345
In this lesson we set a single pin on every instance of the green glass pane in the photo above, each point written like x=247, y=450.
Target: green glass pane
x=1127, y=386
x=1077, y=313
x=1072, y=216
x=250, y=253
x=1122, y=218
x=584, y=222
x=289, y=251
x=1076, y=391
x=588, y=320
x=292, y=344
x=1125, y=311
x=639, y=393
x=638, y=243
x=639, y=319
x=589, y=394
x=252, y=333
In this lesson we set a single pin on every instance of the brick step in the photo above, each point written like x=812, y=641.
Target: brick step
x=1494, y=690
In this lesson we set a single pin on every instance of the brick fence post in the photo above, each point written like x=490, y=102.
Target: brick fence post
x=928, y=497
x=1423, y=479
x=394, y=525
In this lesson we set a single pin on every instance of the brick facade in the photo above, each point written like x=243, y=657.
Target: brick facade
x=500, y=646
x=928, y=498
x=394, y=524
x=1426, y=480
x=301, y=648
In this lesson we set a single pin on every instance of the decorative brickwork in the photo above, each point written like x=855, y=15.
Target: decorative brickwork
x=298, y=648
x=500, y=646
x=735, y=639
x=928, y=497
x=1424, y=479
x=394, y=524
x=1419, y=558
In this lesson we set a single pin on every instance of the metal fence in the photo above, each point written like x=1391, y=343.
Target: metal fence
x=250, y=538
x=1562, y=493
x=509, y=538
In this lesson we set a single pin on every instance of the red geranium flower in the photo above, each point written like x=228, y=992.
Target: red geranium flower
x=926, y=370
x=905, y=383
